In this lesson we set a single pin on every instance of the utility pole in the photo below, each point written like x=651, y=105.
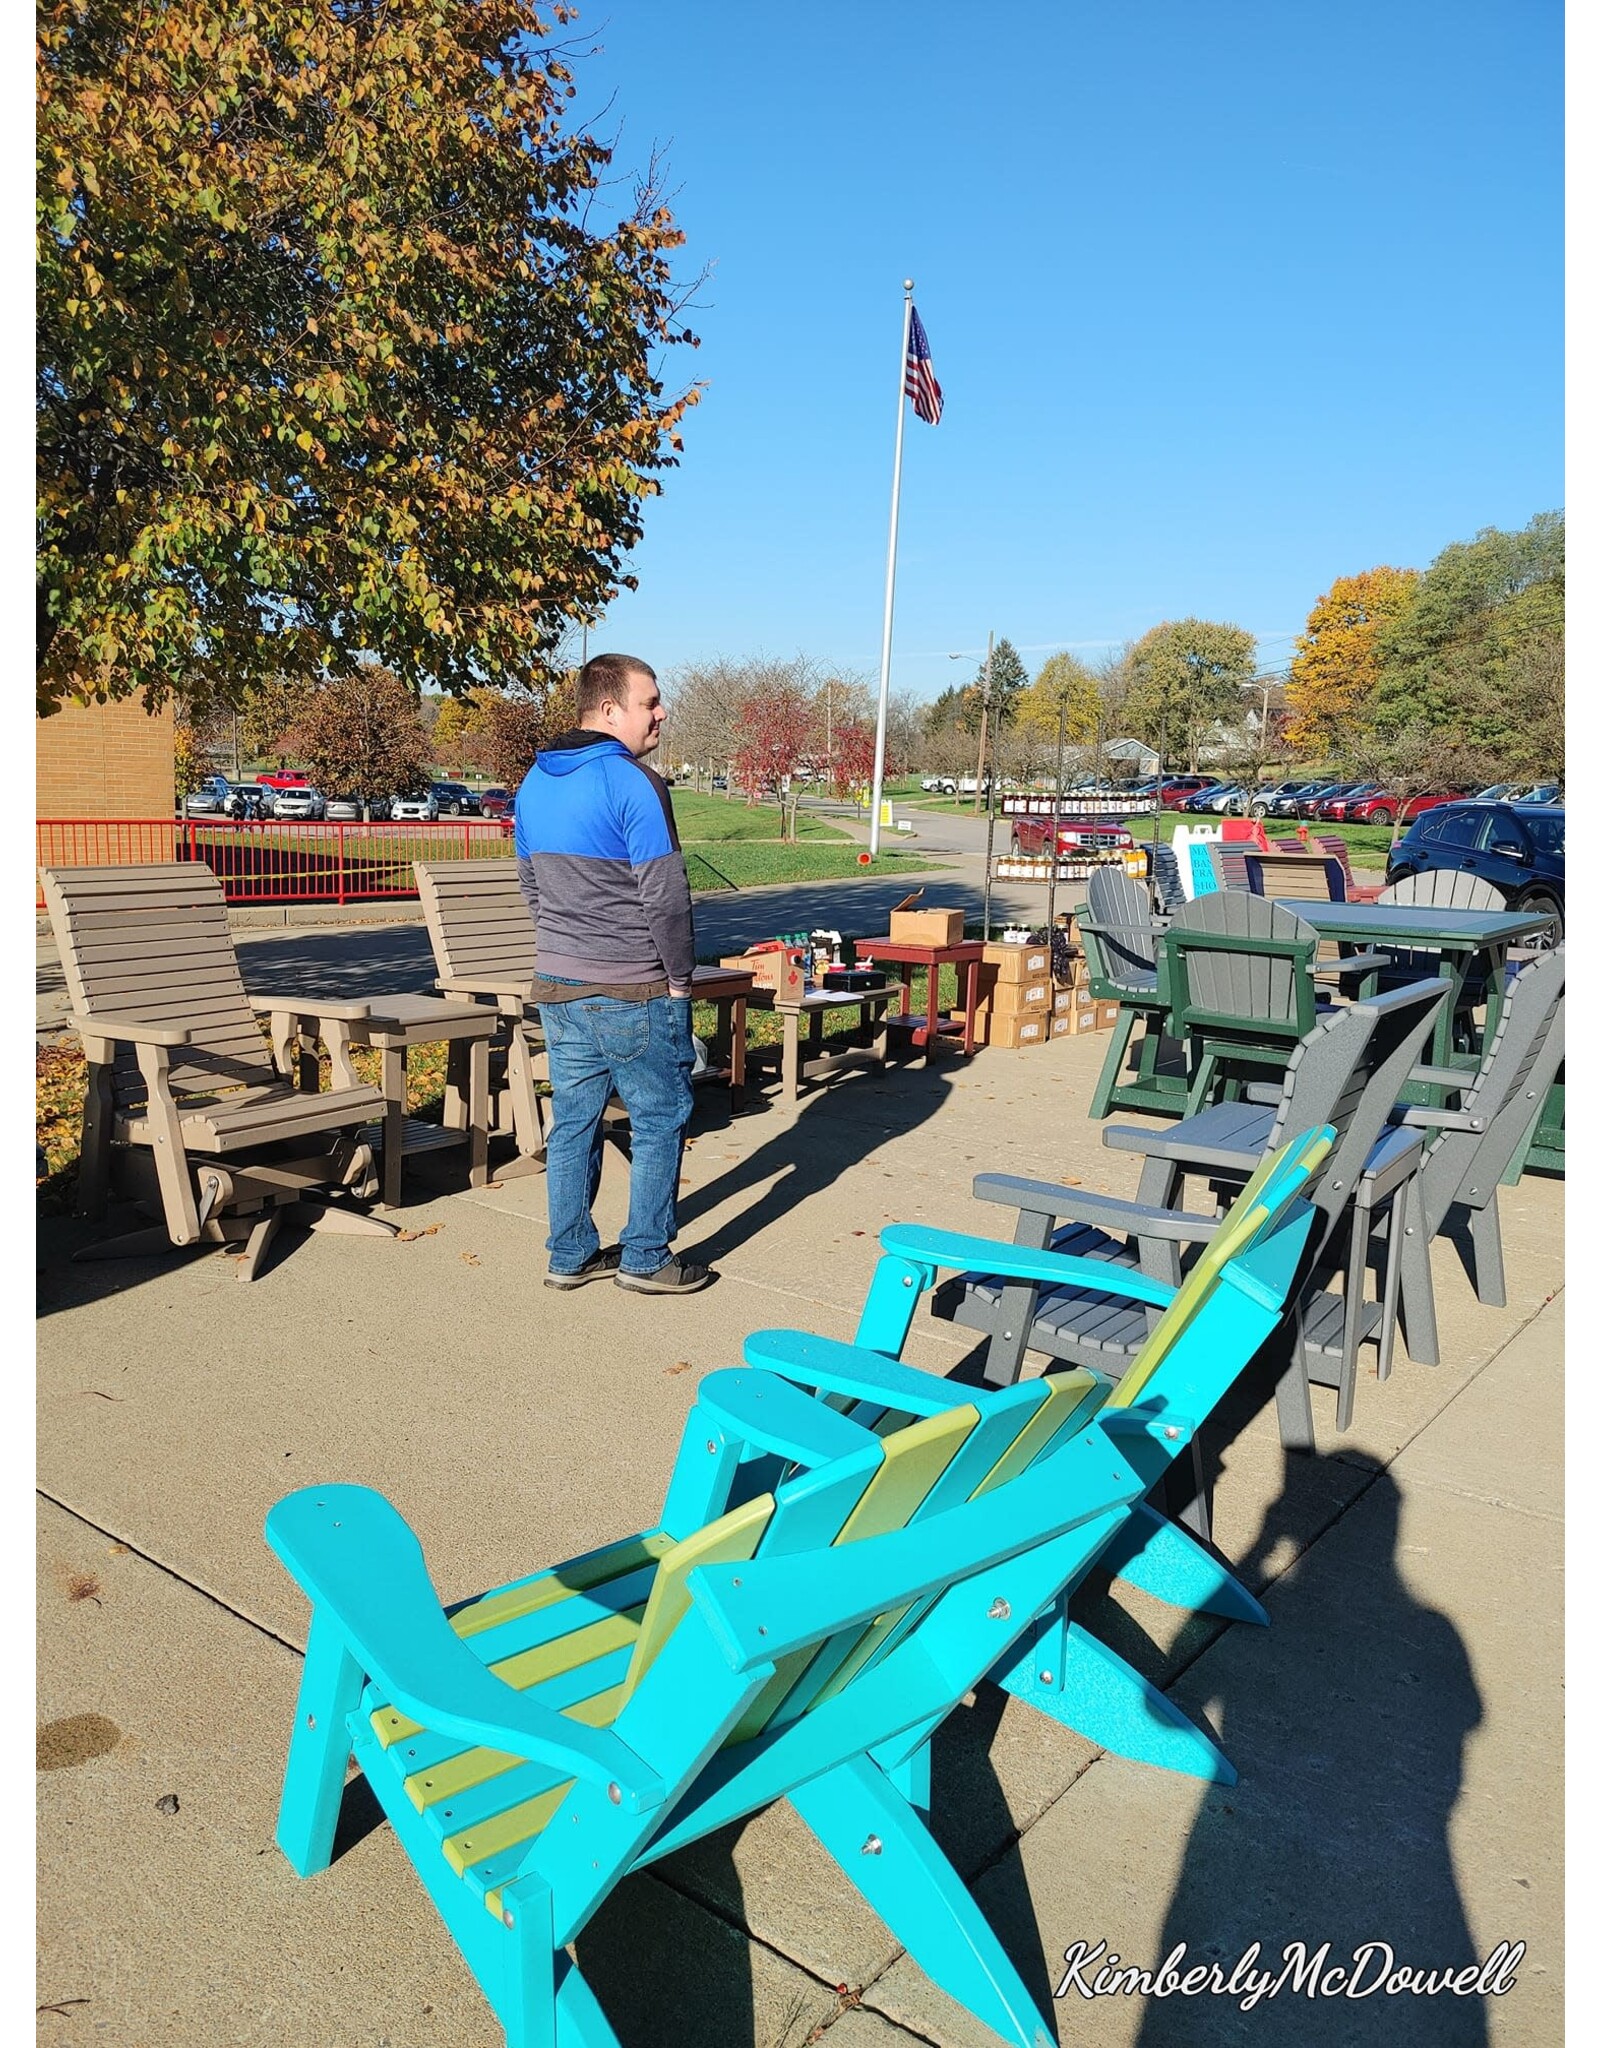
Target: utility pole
x=983, y=735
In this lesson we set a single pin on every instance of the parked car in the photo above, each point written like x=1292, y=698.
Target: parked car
x=1206, y=800
x=249, y=800
x=1263, y=801
x=1383, y=807
x=347, y=810
x=495, y=803
x=423, y=809
x=1332, y=808
x=287, y=778
x=302, y=801
x=1544, y=793
x=1521, y=848
x=1074, y=836
x=210, y=800
x=719, y=782
x=455, y=800
x=1174, y=788
x=1291, y=801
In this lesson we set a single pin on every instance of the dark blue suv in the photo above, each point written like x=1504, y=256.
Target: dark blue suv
x=1520, y=848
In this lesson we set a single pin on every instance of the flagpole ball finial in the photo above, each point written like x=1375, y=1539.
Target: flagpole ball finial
x=910, y=285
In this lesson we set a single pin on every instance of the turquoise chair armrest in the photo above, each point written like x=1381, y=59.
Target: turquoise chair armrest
x=852, y=1371
x=923, y=1246
x=773, y=1415
x=360, y=1565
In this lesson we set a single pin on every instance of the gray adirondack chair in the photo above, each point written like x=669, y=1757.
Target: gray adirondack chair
x=1166, y=880
x=183, y=1098
x=1241, y=988
x=1232, y=867
x=1226, y=1143
x=1468, y=1149
x=1122, y=947
x=483, y=947
x=1347, y=1073
x=1444, y=889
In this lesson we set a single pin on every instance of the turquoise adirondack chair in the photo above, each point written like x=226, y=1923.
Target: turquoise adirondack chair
x=1211, y=1326
x=535, y=1745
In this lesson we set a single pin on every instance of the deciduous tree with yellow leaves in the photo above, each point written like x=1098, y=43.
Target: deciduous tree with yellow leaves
x=1337, y=664
x=338, y=346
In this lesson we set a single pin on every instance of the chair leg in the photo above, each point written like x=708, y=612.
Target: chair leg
x=1106, y=1701
x=1355, y=1287
x=528, y=2009
x=881, y=1844
x=1293, y=1395
x=1489, y=1270
x=1394, y=1231
x=260, y=1238
x=313, y=1782
x=1165, y=1561
x=1111, y=1066
x=1417, y=1317
x=94, y=1150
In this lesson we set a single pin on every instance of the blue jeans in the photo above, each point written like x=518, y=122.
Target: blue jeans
x=643, y=1052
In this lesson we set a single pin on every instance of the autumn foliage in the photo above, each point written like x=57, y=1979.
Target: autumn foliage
x=1337, y=664
x=337, y=349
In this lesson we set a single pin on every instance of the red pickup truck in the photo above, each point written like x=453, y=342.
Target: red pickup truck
x=1075, y=837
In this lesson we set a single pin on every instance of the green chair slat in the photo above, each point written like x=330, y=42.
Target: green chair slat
x=1257, y=1203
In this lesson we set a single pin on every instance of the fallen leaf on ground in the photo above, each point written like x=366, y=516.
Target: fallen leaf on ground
x=411, y=1236
x=83, y=1586
x=470, y=1259
x=682, y=1365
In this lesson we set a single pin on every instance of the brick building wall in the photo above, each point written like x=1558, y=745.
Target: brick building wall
x=105, y=761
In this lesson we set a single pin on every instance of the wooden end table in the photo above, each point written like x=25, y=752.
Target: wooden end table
x=814, y=1005
x=934, y=1028
x=393, y=1026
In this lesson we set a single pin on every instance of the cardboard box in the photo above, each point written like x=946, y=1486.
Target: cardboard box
x=1007, y=998
x=1018, y=963
x=1061, y=1003
x=927, y=927
x=1106, y=1015
x=778, y=970
x=1025, y=1027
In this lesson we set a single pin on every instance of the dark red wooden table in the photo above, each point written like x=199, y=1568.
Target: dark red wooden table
x=966, y=953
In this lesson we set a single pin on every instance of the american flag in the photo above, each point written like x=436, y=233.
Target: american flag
x=922, y=386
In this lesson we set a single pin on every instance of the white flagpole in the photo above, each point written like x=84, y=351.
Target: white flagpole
x=888, y=588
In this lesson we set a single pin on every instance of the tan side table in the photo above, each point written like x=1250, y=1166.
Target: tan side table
x=873, y=1003
x=396, y=1024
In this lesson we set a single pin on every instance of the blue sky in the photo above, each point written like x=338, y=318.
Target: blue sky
x=1226, y=300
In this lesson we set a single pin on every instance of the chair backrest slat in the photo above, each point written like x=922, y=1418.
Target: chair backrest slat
x=1121, y=907
x=153, y=942
x=1266, y=979
x=477, y=918
x=1508, y=1089
x=1445, y=889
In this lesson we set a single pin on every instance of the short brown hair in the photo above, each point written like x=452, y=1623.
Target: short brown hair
x=606, y=676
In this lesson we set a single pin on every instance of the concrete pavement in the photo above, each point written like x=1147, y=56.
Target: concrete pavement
x=1396, y=1730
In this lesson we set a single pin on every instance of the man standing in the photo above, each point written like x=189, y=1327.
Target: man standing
x=602, y=872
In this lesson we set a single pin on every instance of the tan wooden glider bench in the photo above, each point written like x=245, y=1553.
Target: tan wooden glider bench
x=183, y=1100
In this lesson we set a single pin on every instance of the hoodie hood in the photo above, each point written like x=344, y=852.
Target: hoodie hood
x=574, y=749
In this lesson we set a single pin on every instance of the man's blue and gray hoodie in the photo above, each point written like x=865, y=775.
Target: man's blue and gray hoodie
x=601, y=868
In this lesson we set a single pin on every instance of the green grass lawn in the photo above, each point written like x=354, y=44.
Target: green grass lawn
x=710, y=820
x=756, y=864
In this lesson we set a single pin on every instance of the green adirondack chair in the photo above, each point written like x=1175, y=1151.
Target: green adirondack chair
x=535, y=1745
x=1232, y=1300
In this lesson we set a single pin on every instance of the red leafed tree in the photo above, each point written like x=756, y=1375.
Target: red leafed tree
x=775, y=735
x=854, y=748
